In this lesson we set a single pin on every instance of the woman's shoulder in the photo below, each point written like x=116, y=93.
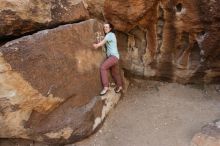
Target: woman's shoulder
x=112, y=34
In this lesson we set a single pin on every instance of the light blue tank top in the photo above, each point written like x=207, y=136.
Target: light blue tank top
x=111, y=45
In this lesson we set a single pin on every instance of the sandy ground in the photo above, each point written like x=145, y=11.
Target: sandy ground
x=158, y=114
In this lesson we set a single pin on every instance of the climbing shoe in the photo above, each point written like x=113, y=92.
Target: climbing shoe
x=118, y=89
x=104, y=91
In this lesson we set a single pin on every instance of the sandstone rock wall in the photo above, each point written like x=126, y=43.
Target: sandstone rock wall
x=172, y=40
x=96, y=8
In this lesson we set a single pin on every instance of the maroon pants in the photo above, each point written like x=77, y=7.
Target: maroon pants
x=111, y=63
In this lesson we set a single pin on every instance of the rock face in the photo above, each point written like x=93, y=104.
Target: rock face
x=23, y=16
x=172, y=40
x=209, y=135
x=95, y=8
x=49, y=82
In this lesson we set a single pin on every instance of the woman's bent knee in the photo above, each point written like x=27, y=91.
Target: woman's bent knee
x=102, y=67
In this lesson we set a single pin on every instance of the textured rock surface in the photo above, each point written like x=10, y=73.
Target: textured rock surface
x=49, y=82
x=22, y=16
x=174, y=40
x=95, y=8
x=20, y=142
x=209, y=135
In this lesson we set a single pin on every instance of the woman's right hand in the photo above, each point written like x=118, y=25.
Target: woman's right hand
x=95, y=46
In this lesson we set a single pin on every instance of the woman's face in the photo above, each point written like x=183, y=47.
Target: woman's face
x=107, y=28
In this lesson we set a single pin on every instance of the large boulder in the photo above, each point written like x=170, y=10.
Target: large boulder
x=171, y=40
x=24, y=16
x=49, y=82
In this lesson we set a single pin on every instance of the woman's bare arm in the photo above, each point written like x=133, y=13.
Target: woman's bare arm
x=99, y=44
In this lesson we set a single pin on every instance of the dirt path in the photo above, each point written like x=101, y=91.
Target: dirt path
x=158, y=114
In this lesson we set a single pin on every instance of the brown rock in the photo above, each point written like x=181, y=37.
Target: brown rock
x=23, y=16
x=49, y=82
x=209, y=135
x=95, y=8
x=125, y=15
x=20, y=142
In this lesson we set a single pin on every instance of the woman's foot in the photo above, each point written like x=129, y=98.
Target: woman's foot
x=104, y=91
x=118, y=89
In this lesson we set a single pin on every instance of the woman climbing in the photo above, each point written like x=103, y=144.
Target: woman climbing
x=111, y=62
